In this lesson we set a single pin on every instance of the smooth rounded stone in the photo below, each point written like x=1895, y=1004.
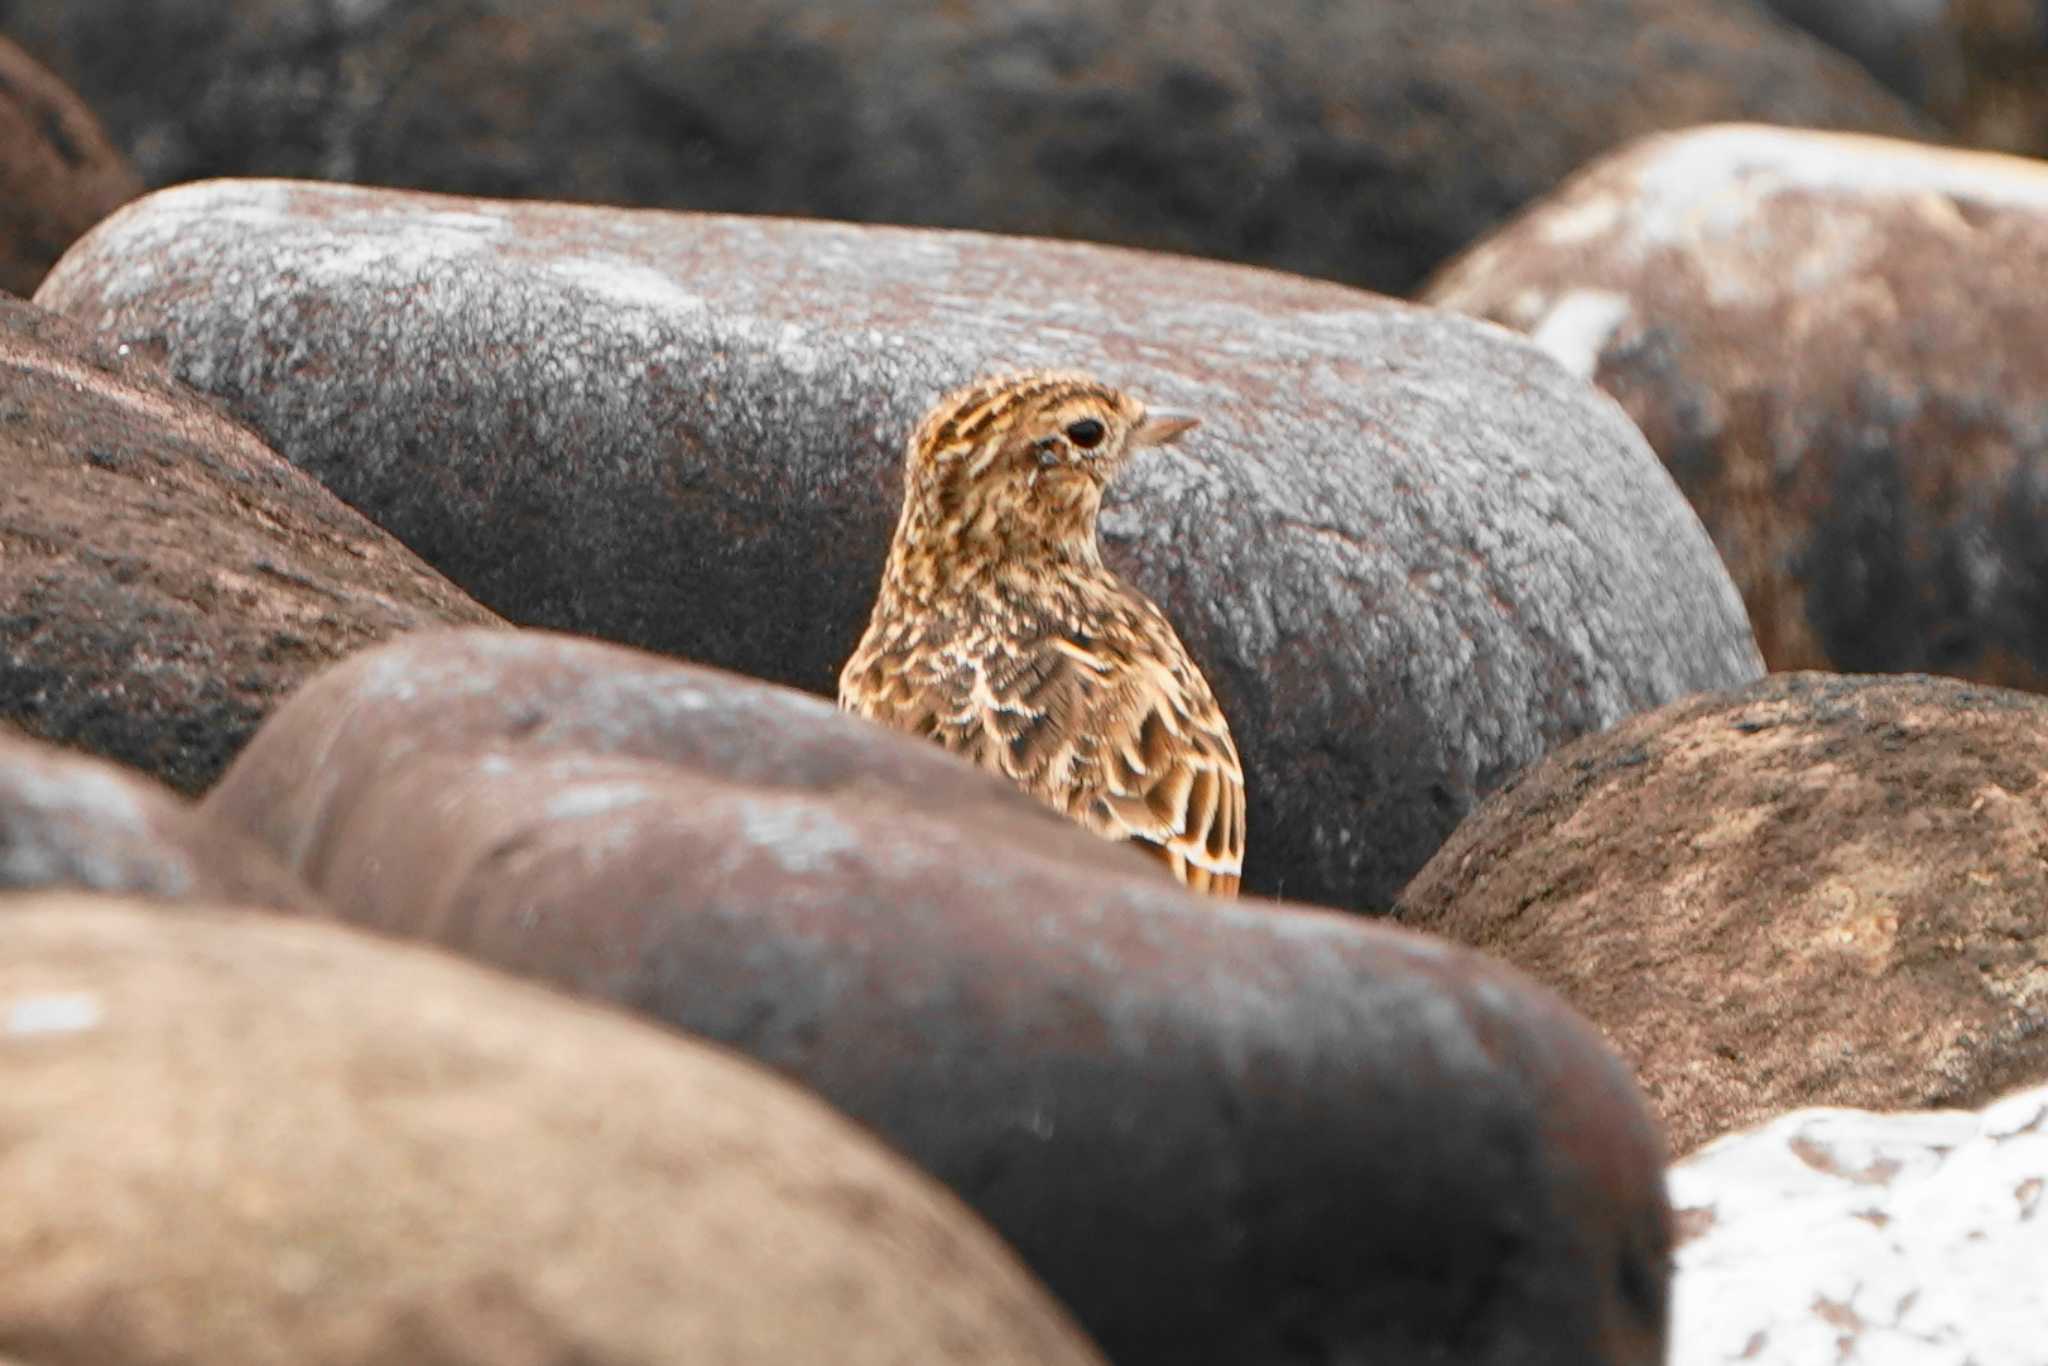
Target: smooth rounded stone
x=71, y=821
x=1815, y=890
x=1360, y=142
x=58, y=173
x=466, y=693
x=1907, y=44
x=234, y=1138
x=1841, y=1235
x=1220, y=1133
x=1836, y=345
x=1410, y=552
x=164, y=576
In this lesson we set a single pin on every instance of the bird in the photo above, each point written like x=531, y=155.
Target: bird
x=999, y=632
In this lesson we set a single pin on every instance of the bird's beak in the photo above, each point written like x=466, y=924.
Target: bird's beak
x=1162, y=426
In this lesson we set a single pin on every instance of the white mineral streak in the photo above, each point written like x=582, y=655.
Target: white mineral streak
x=70, y=1013
x=1864, y=1239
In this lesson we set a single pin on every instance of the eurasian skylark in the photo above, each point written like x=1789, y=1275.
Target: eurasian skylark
x=1000, y=633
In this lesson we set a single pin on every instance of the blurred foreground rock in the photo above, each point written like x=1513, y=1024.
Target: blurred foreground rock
x=71, y=821
x=1410, y=552
x=236, y=1139
x=1814, y=890
x=1837, y=346
x=1219, y=1133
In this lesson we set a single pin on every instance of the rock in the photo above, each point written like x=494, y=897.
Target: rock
x=165, y=577
x=1814, y=890
x=58, y=173
x=531, y=693
x=233, y=1138
x=1360, y=142
x=1907, y=44
x=1834, y=345
x=70, y=821
x=1220, y=1133
x=1838, y=1235
x=1979, y=66
x=1410, y=552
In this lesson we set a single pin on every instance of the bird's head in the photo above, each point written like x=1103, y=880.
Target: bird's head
x=1018, y=463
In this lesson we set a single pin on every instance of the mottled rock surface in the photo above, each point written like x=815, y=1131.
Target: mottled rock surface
x=1840, y=1235
x=58, y=173
x=1814, y=890
x=1837, y=347
x=1410, y=552
x=1221, y=1133
x=71, y=821
x=1361, y=142
x=237, y=1139
x=164, y=576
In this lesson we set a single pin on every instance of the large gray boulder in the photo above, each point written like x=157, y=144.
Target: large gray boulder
x=1411, y=552
x=1363, y=141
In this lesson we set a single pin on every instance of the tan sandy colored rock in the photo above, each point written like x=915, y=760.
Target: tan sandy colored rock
x=1837, y=345
x=232, y=1138
x=1816, y=890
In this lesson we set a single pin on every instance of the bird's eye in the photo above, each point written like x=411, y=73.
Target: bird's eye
x=1087, y=433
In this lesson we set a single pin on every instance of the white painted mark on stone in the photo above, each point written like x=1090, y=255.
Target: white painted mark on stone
x=71, y=1013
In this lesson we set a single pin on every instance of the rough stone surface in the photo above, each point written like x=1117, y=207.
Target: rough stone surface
x=1361, y=142
x=1220, y=1133
x=1411, y=553
x=164, y=576
x=58, y=173
x=237, y=1139
x=1839, y=1235
x=70, y=821
x=1836, y=345
x=1815, y=890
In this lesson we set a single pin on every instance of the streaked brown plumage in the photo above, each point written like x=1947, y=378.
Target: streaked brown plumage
x=999, y=632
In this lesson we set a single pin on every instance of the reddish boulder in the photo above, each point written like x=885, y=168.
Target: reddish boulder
x=1837, y=347
x=237, y=1139
x=1410, y=552
x=58, y=173
x=1817, y=890
x=164, y=576
x=71, y=821
x=1220, y=1133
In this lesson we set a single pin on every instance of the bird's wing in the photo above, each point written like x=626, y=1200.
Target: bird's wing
x=1129, y=745
x=1167, y=775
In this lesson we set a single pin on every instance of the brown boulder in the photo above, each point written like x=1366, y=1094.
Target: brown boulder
x=1837, y=347
x=1817, y=890
x=1219, y=1133
x=235, y=1139
x=164, y=576
x=58, y=173
x=1409, y=551
x=1361, y=142
x=71, y=821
